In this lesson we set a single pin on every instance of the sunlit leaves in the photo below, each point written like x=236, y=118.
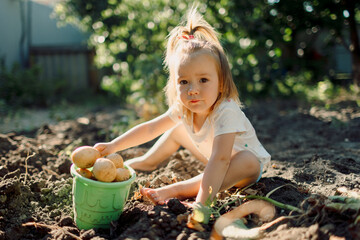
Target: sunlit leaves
x=287, y=34
x=308, y=6
x=252, y=60
x=245, y=42
x=265, y=39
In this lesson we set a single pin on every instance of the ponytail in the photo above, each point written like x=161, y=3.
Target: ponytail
x=195, y=27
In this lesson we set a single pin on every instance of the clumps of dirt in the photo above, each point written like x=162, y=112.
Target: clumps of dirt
x=319, y=209
x=180, y=166
x=322, y=216
x=35, y=185
x=157, y=222
x=6, y=144
x=63, y=230
x=28, y=198
x=312, y=159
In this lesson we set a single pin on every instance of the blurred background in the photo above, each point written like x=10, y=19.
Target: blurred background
x=59, y=53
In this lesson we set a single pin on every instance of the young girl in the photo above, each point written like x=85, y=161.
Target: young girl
x=204, y=117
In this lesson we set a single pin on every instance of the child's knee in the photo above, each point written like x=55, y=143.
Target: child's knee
x=255, y=166
x=248, y=159
x=255, y=169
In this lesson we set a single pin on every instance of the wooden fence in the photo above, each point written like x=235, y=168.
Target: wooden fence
x=72, y=64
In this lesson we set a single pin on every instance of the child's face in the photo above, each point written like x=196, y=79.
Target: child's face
x=197, y=82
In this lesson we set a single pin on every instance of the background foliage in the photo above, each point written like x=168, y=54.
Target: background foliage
x=276, y=48
x=271, y=44
x=21, y=87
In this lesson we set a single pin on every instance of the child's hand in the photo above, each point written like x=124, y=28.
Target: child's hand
x=104, y=148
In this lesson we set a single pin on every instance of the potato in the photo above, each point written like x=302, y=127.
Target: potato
x=104, y=170
x=116, y=159
x=85, y=156
x=84, y=172
x=122, y=174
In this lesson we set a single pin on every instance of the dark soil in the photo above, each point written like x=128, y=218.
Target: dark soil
x=315, y=151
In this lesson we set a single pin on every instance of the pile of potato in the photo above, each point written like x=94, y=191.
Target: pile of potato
x=104, y=169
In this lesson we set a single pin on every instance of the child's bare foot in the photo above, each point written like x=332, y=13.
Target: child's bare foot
x=152, y=195
x=139, y=164
x=157, y=196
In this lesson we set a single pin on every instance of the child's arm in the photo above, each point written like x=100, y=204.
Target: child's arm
x=137, y=135
x=217, y=166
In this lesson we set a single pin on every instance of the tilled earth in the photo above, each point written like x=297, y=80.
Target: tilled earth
x=315, y=154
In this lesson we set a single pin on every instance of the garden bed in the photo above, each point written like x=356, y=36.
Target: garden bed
x=315, y=154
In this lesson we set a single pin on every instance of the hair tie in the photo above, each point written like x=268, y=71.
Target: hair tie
x=186, y=37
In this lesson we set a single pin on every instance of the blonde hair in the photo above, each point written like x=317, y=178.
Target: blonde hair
x=193, y=35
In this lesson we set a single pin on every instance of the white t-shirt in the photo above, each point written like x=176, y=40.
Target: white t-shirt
x=226, y=118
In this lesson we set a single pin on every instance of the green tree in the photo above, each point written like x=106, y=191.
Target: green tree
x=267, y=40
x=129, y=37
x=338, y=18
x=278, y=37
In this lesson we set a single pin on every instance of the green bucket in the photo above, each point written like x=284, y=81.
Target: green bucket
x=97, y=203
